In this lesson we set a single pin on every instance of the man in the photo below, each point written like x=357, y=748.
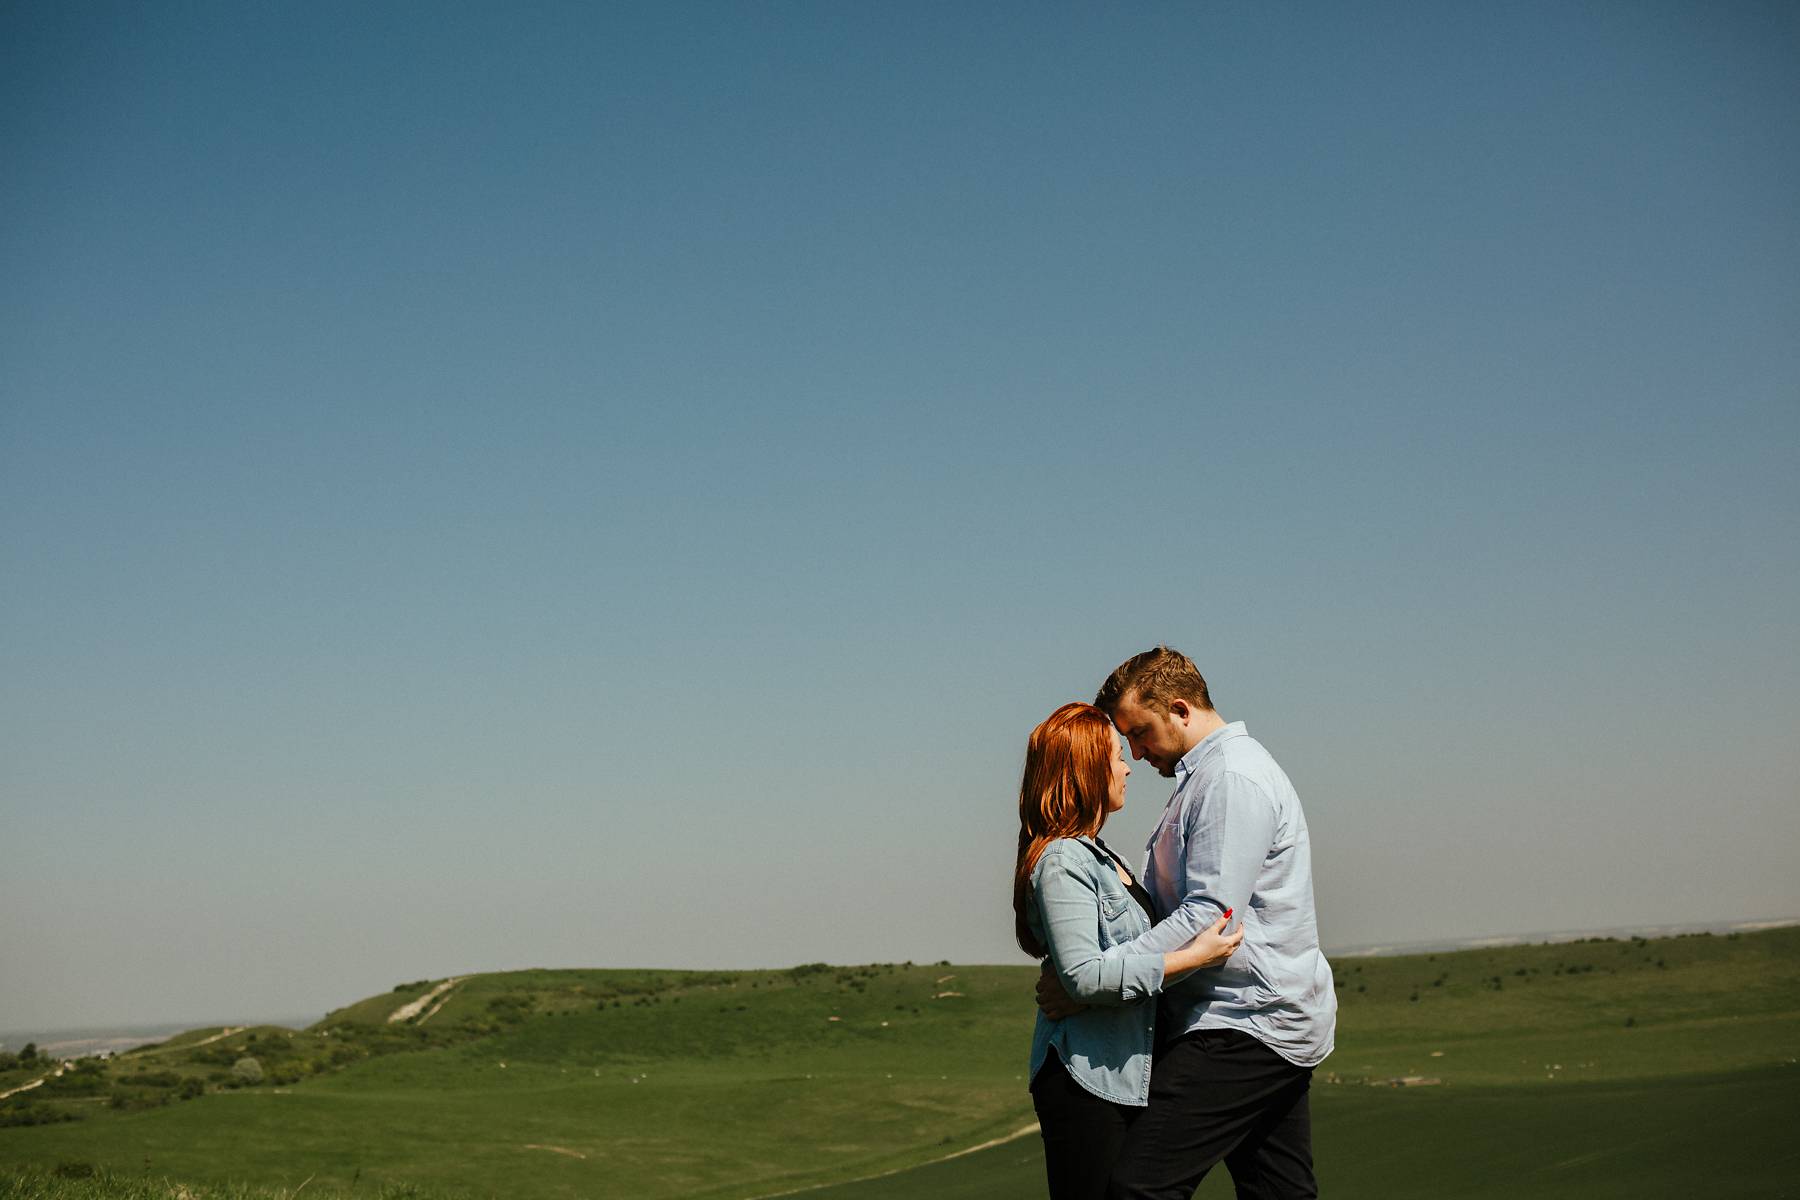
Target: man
x=1238, y=1042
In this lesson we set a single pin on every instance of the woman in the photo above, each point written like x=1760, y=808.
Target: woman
x=1074, y=900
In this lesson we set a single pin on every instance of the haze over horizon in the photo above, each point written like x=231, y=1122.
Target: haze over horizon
x=483, y=489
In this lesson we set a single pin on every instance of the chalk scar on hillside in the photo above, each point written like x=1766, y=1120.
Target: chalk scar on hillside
x=1004, y=1138
x=408, y=1011
x=555, y=1150
x=165, y=1048
x=38, y=1082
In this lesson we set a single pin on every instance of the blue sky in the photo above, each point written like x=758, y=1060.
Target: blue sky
x=503, y=486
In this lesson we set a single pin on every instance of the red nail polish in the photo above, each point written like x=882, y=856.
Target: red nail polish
x=1228, y=913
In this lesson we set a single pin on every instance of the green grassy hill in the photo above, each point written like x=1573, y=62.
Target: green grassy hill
x=1587, y=1069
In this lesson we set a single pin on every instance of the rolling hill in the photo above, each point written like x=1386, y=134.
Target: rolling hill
x=1606, y=1067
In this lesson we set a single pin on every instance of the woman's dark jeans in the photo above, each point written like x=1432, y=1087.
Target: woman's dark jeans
x=1082, y=1133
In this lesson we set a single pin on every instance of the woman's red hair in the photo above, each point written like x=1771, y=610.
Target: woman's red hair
x=1068, y=776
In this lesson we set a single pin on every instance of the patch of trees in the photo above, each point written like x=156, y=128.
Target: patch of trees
x=28, y=1113
x=26, y=1059
x=511, y=1008
x=88, y=1078
x=158, y=1079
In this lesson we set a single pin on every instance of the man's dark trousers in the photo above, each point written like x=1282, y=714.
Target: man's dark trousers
x=1220, y=1094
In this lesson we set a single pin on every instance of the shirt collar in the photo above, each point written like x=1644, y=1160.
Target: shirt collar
x=1204, y=749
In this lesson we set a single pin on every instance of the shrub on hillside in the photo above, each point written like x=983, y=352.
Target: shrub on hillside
x=218, y=1055
x=28, y=1113
x=131, y=1101
x=274, y=1046
x=91, y=1082
x=247, y=1070
x=511, y=1008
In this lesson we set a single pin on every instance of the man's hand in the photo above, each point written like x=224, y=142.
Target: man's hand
x=1051, y=999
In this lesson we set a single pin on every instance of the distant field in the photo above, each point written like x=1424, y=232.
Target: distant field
x=1606, y=1068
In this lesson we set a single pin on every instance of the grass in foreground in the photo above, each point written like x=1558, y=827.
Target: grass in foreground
x=80, y=1181
x=1725, y=1135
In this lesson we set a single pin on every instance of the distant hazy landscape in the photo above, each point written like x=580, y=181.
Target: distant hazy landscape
x=117, y=1038
x=1584, y=1068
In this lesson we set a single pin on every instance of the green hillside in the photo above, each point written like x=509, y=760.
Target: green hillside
x=1582, y=1069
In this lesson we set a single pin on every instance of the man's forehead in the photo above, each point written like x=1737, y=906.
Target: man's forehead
x=1129, y=711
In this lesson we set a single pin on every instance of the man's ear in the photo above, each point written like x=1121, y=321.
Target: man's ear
x=1181, y=710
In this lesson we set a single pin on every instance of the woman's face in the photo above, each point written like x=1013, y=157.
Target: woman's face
x=1121, y=771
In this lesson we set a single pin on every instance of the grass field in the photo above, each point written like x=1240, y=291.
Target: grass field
x=1604, y=1068
x=1584, y=1141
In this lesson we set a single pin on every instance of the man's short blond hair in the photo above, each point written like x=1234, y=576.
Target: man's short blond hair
x=1156, y=677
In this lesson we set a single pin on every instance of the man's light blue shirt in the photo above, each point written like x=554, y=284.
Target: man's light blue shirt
x=1233, y=836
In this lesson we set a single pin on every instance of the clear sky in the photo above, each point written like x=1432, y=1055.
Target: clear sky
x=608, y=485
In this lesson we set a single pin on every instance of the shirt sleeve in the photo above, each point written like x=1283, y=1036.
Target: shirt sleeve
x=1070, y=906
x=1229, y=831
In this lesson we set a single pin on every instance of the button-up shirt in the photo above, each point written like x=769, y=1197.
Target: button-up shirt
x=1233, y=836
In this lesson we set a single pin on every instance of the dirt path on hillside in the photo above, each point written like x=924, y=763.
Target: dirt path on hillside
x=40, y=1081
x=407, y=1012
x=1014, y=1136
x=205, y=1041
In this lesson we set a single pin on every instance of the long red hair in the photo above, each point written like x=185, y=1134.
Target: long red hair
x=1068, y=776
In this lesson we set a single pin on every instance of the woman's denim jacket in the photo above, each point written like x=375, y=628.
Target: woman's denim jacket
x=1082, y=912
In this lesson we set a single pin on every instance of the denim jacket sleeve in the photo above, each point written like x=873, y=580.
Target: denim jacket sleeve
x=1068, y=901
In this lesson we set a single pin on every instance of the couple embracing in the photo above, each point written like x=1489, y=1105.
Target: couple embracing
x=1181, y=1017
